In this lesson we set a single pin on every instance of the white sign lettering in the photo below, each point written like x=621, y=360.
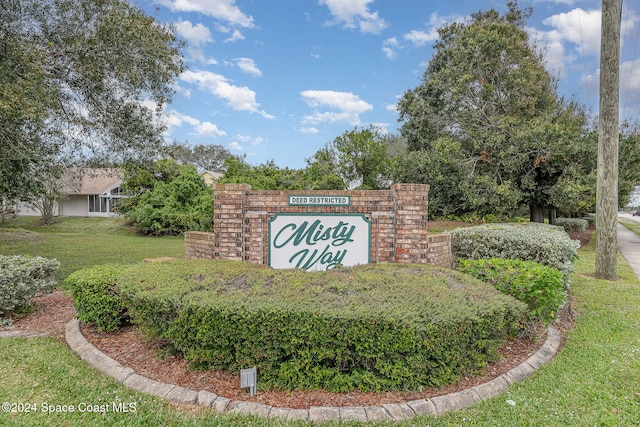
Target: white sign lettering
x=319, y=241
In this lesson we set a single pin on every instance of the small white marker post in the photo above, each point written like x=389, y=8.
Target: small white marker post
x=248, y=378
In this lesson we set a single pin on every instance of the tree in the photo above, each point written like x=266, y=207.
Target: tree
x=204, y=157
x=77, y=79
x=168, y=198
x=487, y=94
x=628, y=161
x=266, y=176
x=322, y=172
x=361, y=158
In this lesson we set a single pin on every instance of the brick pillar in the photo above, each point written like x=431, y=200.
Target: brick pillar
x=411, y=223
x=228, y=224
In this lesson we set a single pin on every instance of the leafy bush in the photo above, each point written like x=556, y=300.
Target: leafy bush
x=22, y=278
x=179, y=201
x=372, y=327
x=547, y=244
x=572, y=224
x=96, y=297
x=538, y=286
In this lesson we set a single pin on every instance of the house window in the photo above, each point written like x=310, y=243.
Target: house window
x=97, y=204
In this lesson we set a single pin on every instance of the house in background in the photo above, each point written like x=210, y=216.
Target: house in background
x=210, y=177
x=86, y=192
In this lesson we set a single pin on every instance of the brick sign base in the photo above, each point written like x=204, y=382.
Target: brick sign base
x=398, y=220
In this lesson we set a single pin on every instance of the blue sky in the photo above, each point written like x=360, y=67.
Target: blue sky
x=277, y=80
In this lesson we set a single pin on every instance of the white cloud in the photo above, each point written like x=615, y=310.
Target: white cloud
x=392, y=107
x=235, y=146
x=209, y=129
x=355, y=13
x=630, y=89
x=176, y=119
x=349, y=106
x=310, y=130
x=574, y=37
x=420, y=38
x=430, y=34
x=248, y=66
x=567, y=2
x=389, y=47
x=240, y=98
x=579, y=27
x=235, y=36
x=196, y=36
x=223, y=10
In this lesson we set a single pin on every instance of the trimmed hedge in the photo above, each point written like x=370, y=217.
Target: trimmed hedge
x=96, y=297
x=546, y=244
x=22, y=277
x=572, y=224
x=538, y=286
x=372, y=327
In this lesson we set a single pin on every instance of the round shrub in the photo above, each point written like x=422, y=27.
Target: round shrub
x=371, y=327
x=538, y=286
x=22, y=277
x=546, y=244
x=570, y=225
x=96, y=297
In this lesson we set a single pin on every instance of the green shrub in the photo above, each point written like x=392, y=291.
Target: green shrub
x=538, y=286
x=572, y=224
x=179, y=202
x=372, y=327
x=22, y=278
x=546, y=244
x=96, y=297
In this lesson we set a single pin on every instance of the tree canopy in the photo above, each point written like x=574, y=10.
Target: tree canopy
x=488, y=120
x=204, y=157
x=79, y=79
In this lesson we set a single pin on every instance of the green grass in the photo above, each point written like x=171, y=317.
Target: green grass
x=630, y=224
x=82, y=242
x=594, y=380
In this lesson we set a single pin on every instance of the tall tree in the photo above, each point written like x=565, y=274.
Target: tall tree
x=361, y=158
x=486, y=91
x=204, y=157
x=80, y=78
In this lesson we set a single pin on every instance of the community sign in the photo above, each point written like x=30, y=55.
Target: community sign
x=317, y=242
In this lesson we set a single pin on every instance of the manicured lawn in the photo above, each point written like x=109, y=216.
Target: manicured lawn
x=81, y=242
x=592, y=382
x=630, y=224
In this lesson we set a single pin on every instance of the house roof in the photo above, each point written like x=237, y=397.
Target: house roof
x=214, y=175
x=86, y=181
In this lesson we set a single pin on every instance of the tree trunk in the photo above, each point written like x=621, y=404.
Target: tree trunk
x=536, y=213
x=553, y=215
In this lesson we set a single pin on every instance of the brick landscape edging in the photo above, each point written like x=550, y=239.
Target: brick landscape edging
x=390, y=412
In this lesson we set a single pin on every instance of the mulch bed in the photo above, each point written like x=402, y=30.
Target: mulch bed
x=129, y=347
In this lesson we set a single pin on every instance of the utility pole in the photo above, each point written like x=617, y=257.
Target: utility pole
x=607, y=179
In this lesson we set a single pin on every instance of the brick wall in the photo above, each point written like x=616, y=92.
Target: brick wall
x=398, y=223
